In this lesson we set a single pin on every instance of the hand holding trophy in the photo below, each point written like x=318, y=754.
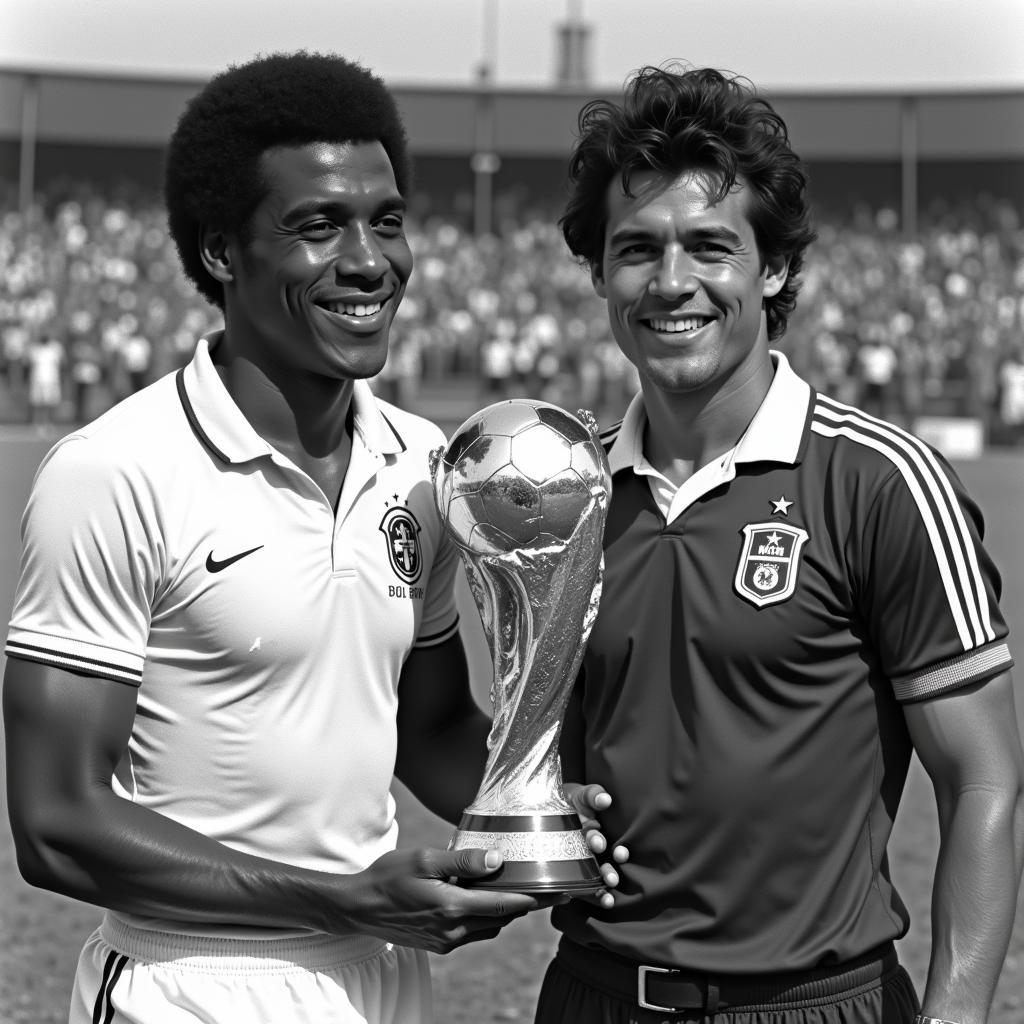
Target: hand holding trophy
x=523, y=489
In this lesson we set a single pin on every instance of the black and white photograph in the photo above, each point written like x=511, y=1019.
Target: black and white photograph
x=557, y=551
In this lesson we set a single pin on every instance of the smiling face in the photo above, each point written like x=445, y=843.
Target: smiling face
x=314, y=284
x=684, y=282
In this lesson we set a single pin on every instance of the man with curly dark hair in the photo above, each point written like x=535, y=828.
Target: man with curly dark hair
x=796, y=598
x=236, y=617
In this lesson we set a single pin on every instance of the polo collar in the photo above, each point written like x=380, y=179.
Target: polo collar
x=775, y=434
x=222, y=427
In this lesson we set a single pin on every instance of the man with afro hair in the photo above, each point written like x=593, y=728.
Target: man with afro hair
x=236, y=621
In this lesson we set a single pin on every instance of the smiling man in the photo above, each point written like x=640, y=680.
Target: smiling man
x=236, y=616
x=796, y=598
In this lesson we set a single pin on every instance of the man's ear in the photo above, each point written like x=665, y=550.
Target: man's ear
x=597, y=279
x=216, y=254
x=776, y=272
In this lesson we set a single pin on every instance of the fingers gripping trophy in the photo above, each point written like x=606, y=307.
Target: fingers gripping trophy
x=523, y=489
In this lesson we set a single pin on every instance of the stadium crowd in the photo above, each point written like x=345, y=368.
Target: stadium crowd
x=93, y=305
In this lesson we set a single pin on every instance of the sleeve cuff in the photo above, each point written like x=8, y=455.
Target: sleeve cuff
x=75, y=656
x=433, y=639
x=970, y=667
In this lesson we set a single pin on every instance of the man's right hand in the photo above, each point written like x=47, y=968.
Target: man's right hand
x=408, y=897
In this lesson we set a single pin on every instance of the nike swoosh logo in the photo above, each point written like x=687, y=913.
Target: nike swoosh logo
x=215, y=566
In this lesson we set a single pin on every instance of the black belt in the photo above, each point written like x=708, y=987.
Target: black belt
x=672, y=989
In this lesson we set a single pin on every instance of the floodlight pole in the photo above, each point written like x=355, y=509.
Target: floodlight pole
x=485, y=161
x=909, y=157
x=27, y=142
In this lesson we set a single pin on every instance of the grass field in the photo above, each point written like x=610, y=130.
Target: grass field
x=40, y=934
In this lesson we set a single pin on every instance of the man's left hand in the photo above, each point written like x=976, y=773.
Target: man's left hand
x=588, y=802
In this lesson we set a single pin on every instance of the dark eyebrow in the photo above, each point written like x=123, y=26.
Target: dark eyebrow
x=713, y=234
x=319, y=207
x=630, y=234
x=717, y=234
x=396, y=204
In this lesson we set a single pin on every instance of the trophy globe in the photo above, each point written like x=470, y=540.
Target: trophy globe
x=523, y=490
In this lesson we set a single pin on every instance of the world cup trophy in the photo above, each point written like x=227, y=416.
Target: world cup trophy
x=523, y=490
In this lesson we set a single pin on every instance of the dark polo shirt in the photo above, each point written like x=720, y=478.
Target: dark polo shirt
x=741, y=691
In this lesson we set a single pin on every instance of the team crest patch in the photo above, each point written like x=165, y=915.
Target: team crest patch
x=402, y=536
x=769, y=562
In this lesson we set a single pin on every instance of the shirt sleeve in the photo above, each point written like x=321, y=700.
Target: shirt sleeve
x=440, y=619
x=440, y=614
x=928, y=589
x=88, y=566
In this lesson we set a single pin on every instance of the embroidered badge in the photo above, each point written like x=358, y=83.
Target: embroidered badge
x=401, y=534
x=769, y=562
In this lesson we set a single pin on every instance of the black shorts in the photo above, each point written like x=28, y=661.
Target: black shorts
x=577, y=990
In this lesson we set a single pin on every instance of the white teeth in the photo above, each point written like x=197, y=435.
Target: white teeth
x=677, y=326
x=358, y=309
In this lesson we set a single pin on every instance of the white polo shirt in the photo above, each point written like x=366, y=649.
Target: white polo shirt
x=169, y=547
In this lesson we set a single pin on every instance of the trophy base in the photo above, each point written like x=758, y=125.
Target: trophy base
x=543, y=853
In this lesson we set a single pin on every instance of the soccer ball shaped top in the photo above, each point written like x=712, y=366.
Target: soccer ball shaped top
x=520, y=474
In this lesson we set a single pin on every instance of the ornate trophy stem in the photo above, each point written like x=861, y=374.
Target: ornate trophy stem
x=523, y=489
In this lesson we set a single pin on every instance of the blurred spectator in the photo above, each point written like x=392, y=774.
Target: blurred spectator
x=45, y=359
x=497, y=359
x=136, y=353
x=876, y=365
x=903, y=326
x=1011, y=395
x=85, y=376
x=15, y=346
x=77, y=265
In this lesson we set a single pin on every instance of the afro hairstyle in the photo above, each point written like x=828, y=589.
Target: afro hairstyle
x=212, y=176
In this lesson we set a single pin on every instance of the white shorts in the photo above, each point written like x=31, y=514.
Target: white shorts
x=130, y=975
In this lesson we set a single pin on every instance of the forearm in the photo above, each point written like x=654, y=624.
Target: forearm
x=137, y=861
x=974, y=901
x=75, y=836
x=121, y=856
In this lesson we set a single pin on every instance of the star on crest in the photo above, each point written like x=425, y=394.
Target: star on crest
x=774, y=538
x=781, y=506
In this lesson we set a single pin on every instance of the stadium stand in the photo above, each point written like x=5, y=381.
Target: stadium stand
x=932, y=326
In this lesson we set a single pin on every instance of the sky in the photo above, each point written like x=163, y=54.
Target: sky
x=798, y=44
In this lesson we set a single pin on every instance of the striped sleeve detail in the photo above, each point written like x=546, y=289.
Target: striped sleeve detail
x=954, y=672
x=434, y=639
x=941, y=514
x=75, y=656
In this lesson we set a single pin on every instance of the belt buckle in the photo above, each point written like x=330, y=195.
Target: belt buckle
x=641, y=987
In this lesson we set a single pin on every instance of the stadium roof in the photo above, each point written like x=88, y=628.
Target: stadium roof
x=102, y=109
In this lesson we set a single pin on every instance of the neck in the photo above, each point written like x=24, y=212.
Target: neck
x=294, y=412
x=694, y=428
